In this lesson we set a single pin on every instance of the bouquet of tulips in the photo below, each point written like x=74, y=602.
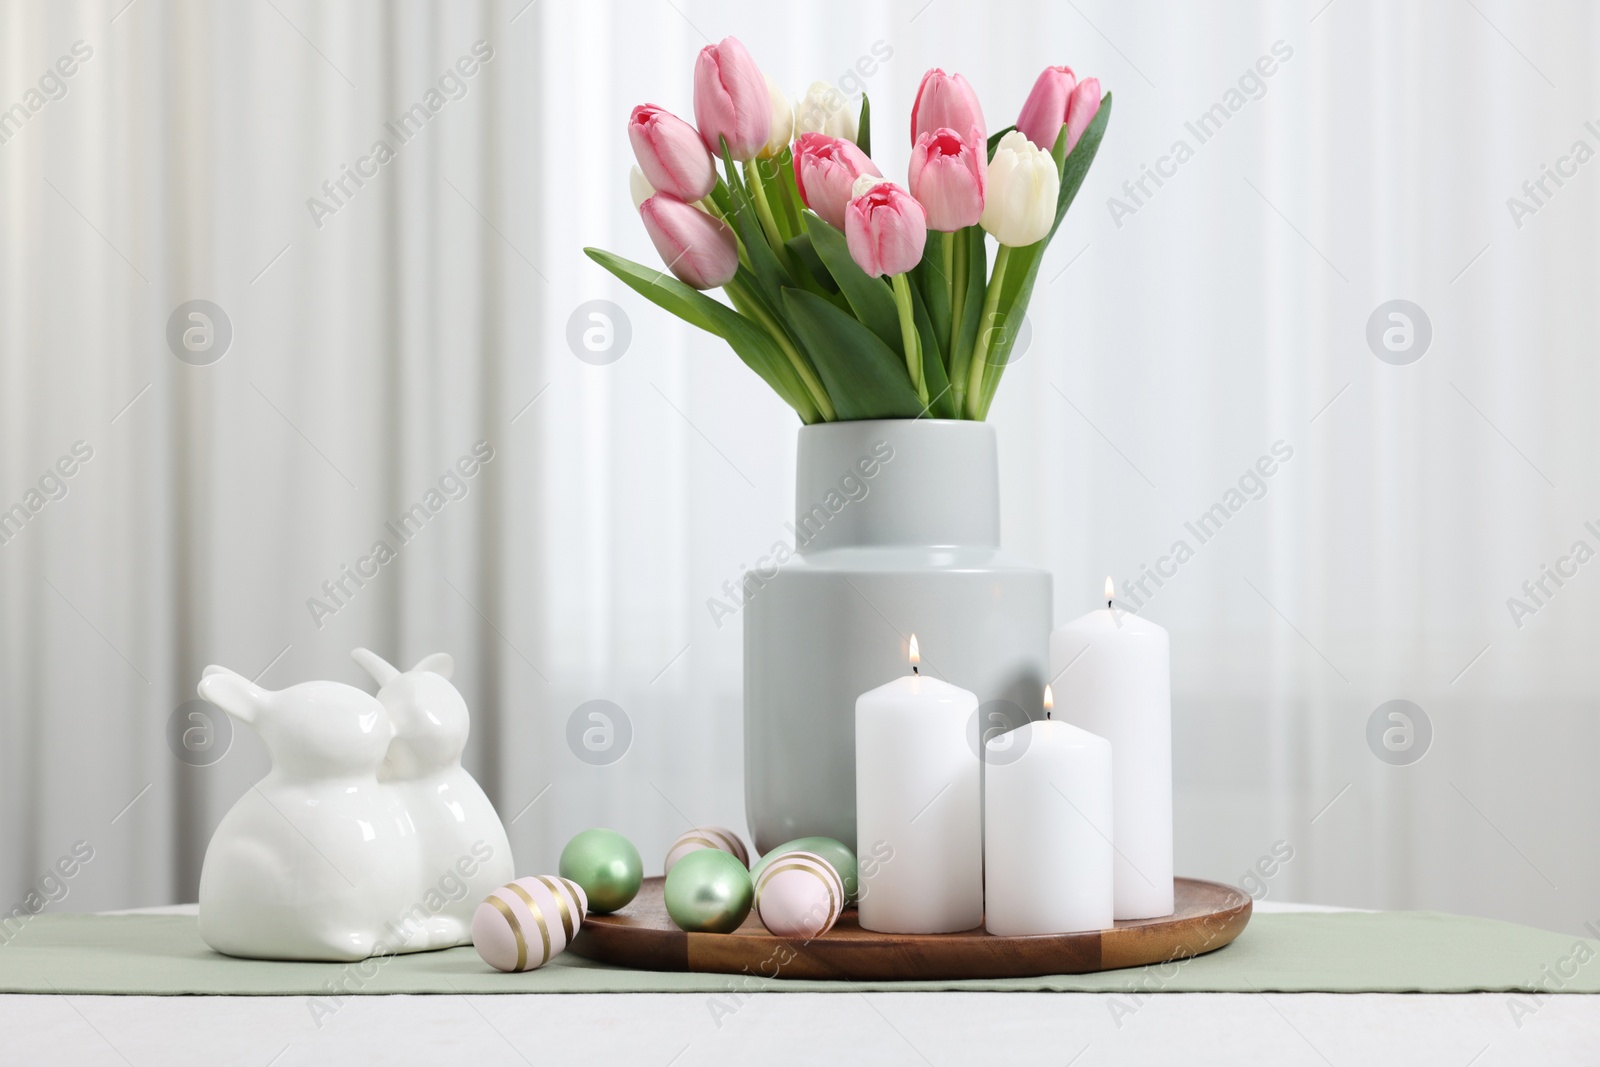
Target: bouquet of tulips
x=854, y=297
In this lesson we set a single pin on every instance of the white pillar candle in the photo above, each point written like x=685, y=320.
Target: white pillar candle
x=1048, y=825
x=1112, y=674
x=917, y=807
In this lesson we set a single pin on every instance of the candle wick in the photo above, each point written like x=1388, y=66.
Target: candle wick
x=1108, y=605
x=914, y=669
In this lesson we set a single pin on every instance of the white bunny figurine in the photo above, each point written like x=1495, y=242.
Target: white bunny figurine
x=318, y=857
x=465, y=855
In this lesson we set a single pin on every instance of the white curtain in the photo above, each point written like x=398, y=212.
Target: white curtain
x=383, y=324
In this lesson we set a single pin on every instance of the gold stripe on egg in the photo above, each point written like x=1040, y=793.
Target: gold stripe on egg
x=698, y=840
x=516, y=929
x=729, y=845
x=810, y=867
x=538, y=917
x=561, y=904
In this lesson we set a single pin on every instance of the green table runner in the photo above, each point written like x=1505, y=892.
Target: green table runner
x=1341, y=952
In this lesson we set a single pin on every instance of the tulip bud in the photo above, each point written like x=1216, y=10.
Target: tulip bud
x=670, y=153
x=639, y=187
x=885, y=229
x=946, y=101
x=825, y=109
x=731, y=100
x=1059, y=99
x=1020, y=206
x=825, y=169
x=947, y=178
x=1046, y=107
x=699, y=248
x=1081, y=110
x=782, y=126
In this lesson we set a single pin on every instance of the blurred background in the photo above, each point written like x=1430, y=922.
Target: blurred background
x=358, y=336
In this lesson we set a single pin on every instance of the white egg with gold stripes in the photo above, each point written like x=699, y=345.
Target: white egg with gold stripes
x=525, y=924
x=706, y=837
x=799, y=895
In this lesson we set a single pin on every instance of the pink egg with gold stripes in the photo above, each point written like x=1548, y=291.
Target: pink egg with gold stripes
x=706, y=837
x=525, y=924
x=799, y=894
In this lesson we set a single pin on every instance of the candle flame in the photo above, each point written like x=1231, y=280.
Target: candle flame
x=916, y=656
x=1049, y=701
x=1111, y=590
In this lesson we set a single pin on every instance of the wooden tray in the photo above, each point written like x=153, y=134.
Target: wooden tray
x=1208, y=916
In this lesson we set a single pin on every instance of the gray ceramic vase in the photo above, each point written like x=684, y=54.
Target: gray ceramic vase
x=897, y=532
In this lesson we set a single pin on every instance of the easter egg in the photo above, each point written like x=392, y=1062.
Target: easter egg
x=606, y=865
x=706, y=837
x=834, y=852
x=525, y=924
x=708, y=892
x=799, y=894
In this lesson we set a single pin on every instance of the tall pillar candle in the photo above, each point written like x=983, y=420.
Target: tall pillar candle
x=1112, y=675
x=917, y=807
x=1047, y=820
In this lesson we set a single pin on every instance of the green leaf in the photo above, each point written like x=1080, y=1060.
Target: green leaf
x=994, y=140
x=864, y=378
x=752, y=344
x=1017, y=289
x=869, y=297
x=929, y=278
x=864, y=127
x=804, y=252
x=941, y=399
x=782, y=190
x=972, y=310
x=794, y=204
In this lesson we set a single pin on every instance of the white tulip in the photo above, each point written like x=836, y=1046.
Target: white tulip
x=1020, y=205
x=825, y=110
x=639, y=187
x=865, y=182
x=782, y=128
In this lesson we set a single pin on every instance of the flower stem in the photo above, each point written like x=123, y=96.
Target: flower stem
x=986, y=328
x=769, y=225
x=908, y=336
x=955, y=269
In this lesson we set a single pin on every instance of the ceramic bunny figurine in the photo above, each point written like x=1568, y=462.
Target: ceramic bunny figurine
x=318, y=856
x=464, y=852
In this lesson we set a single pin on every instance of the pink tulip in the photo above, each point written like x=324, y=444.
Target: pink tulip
x=947, y=178
x=1058, y=99
x=825, y=169
x=1081, y=110
x=946, y=101
x=699, y=248
x=886, y=230
x=1046, y=107
x=731, y=100
x=670, y=153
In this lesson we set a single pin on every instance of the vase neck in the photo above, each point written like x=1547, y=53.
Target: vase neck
x=897, y=482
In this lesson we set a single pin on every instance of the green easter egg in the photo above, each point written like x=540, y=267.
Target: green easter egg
x=606, y=865
x=838, y=856
x=709, y=892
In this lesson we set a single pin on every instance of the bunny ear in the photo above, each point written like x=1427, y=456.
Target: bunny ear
x=383, y=672
x=233, y=693
x=439, y=663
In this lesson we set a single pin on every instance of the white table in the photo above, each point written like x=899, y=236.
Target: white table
x=883, y=1029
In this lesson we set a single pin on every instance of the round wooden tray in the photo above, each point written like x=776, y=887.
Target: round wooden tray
x=1208, y=916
